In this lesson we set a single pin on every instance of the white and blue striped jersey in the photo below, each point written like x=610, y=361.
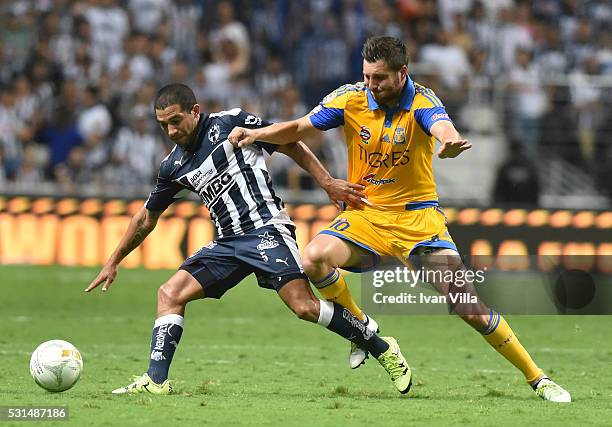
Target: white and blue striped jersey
x=233, y=183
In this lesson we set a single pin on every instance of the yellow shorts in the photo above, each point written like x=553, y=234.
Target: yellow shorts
x=392, y=233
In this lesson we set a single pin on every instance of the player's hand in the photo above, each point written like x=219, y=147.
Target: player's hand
x=452, y=148
x=339, y=190
x=107, y=276
x=241, y=137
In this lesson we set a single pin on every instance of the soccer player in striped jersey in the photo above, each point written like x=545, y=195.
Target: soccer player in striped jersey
x=254, y=233
x=391, y=125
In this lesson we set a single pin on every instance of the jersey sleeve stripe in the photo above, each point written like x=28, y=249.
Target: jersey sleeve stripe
x=232, y=112
x=434, y=99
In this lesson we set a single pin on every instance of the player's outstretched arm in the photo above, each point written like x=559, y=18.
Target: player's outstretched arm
x=141, y=225
x=338, y=190
x=279, y=133
x=451, y=143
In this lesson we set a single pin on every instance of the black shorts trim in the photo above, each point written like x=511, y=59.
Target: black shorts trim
x=288, y=278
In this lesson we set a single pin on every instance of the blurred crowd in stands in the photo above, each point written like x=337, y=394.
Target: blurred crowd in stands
x=77, y=78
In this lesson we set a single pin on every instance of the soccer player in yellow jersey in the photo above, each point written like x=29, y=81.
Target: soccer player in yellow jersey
x=391, y=124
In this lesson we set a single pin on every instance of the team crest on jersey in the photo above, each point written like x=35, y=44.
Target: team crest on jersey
x=214, y=133
x=399, y=137
x=267, y=242
x=365, y=134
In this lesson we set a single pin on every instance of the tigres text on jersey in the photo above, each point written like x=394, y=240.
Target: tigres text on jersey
x=389, y=150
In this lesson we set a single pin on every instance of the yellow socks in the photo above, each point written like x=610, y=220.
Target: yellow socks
x=333, y=288
x=502, y=338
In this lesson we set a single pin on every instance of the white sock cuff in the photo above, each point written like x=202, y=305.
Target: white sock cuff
x=326, y=311
x=175, y=319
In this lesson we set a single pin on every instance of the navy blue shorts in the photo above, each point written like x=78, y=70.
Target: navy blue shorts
x=270, y=252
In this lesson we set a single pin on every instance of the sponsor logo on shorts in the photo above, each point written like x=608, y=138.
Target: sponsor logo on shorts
x=267, y=242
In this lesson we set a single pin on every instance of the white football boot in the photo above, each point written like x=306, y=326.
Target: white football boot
x=549, y=390
x=358, y=355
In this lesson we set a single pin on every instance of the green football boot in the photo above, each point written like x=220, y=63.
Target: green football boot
x=395, y=364
x=144, y=384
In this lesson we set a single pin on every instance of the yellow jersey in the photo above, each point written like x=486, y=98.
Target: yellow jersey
x=390, y=151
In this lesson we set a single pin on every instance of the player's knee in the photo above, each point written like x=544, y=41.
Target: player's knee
x=306, y=310
x=314, y=258
x=168, y=295
x=440, y=259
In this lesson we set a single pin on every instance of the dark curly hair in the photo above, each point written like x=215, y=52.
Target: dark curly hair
x=389, y=49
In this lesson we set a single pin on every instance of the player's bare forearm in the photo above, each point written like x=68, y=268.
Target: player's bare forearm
x=279, y=133
x=336, y=189
x=286, y=132
x=444, y=130
x=306, y=159
x=452, y=144
x=141, y=225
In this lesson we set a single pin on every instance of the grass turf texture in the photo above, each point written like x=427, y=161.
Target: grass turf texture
x=246, y=360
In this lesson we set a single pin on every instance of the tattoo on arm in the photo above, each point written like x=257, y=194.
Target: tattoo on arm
x=139, y=229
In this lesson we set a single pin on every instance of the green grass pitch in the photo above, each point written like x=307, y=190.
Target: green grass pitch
x=245, y=360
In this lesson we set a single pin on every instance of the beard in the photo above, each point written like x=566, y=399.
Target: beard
x=385, y=97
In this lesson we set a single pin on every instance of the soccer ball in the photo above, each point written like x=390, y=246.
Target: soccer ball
x=56, y=365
